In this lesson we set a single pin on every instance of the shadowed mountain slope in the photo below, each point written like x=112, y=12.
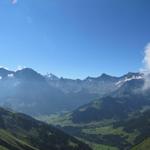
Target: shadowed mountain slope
x=21, y=132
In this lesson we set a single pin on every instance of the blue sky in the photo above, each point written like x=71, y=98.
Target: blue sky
x=74, y=38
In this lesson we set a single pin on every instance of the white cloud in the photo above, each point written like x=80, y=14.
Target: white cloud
x=147, y=58
x=146, y=69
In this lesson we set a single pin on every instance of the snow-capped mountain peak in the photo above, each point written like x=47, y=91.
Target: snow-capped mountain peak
x=129, y=77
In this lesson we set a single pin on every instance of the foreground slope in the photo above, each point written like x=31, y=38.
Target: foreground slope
x=145, y=145
x=21, y=132
x=10, y=142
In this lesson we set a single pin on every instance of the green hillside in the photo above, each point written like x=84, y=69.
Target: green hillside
x=8, y=141
x=21, y=132
x=145, y=145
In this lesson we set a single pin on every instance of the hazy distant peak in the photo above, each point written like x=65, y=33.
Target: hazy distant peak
x=26, y=69
x=51, y=76
x=103, y=76
x=3, y=69
x=89, y=78
x=106, y=76
x=4, y=72
x=28, y=73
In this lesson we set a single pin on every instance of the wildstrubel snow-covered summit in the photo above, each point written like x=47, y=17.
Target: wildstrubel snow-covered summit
x=30, y=92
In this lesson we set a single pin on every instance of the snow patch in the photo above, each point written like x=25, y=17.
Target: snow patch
x=119, y=83
x=20, y=68
x=11, y=75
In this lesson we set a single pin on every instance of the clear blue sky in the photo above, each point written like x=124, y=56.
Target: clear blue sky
x=74, y=38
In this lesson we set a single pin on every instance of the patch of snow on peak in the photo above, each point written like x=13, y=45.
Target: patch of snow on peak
x=52, y=76
x=119, y=82
x=126, y=79
x=20, y=68
x=11, y=75
x=133, y=77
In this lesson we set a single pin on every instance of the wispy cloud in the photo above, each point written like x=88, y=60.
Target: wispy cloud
x=14, y=2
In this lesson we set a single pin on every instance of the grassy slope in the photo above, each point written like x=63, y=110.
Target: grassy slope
x=145, y=145
x=21, y=132
x=91, y=128
x=8, y=141
x=3, y=148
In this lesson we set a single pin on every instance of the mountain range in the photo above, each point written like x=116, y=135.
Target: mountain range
x=106, y=112
x=30, y=92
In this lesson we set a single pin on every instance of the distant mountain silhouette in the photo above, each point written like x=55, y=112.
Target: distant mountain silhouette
x=32, y=93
